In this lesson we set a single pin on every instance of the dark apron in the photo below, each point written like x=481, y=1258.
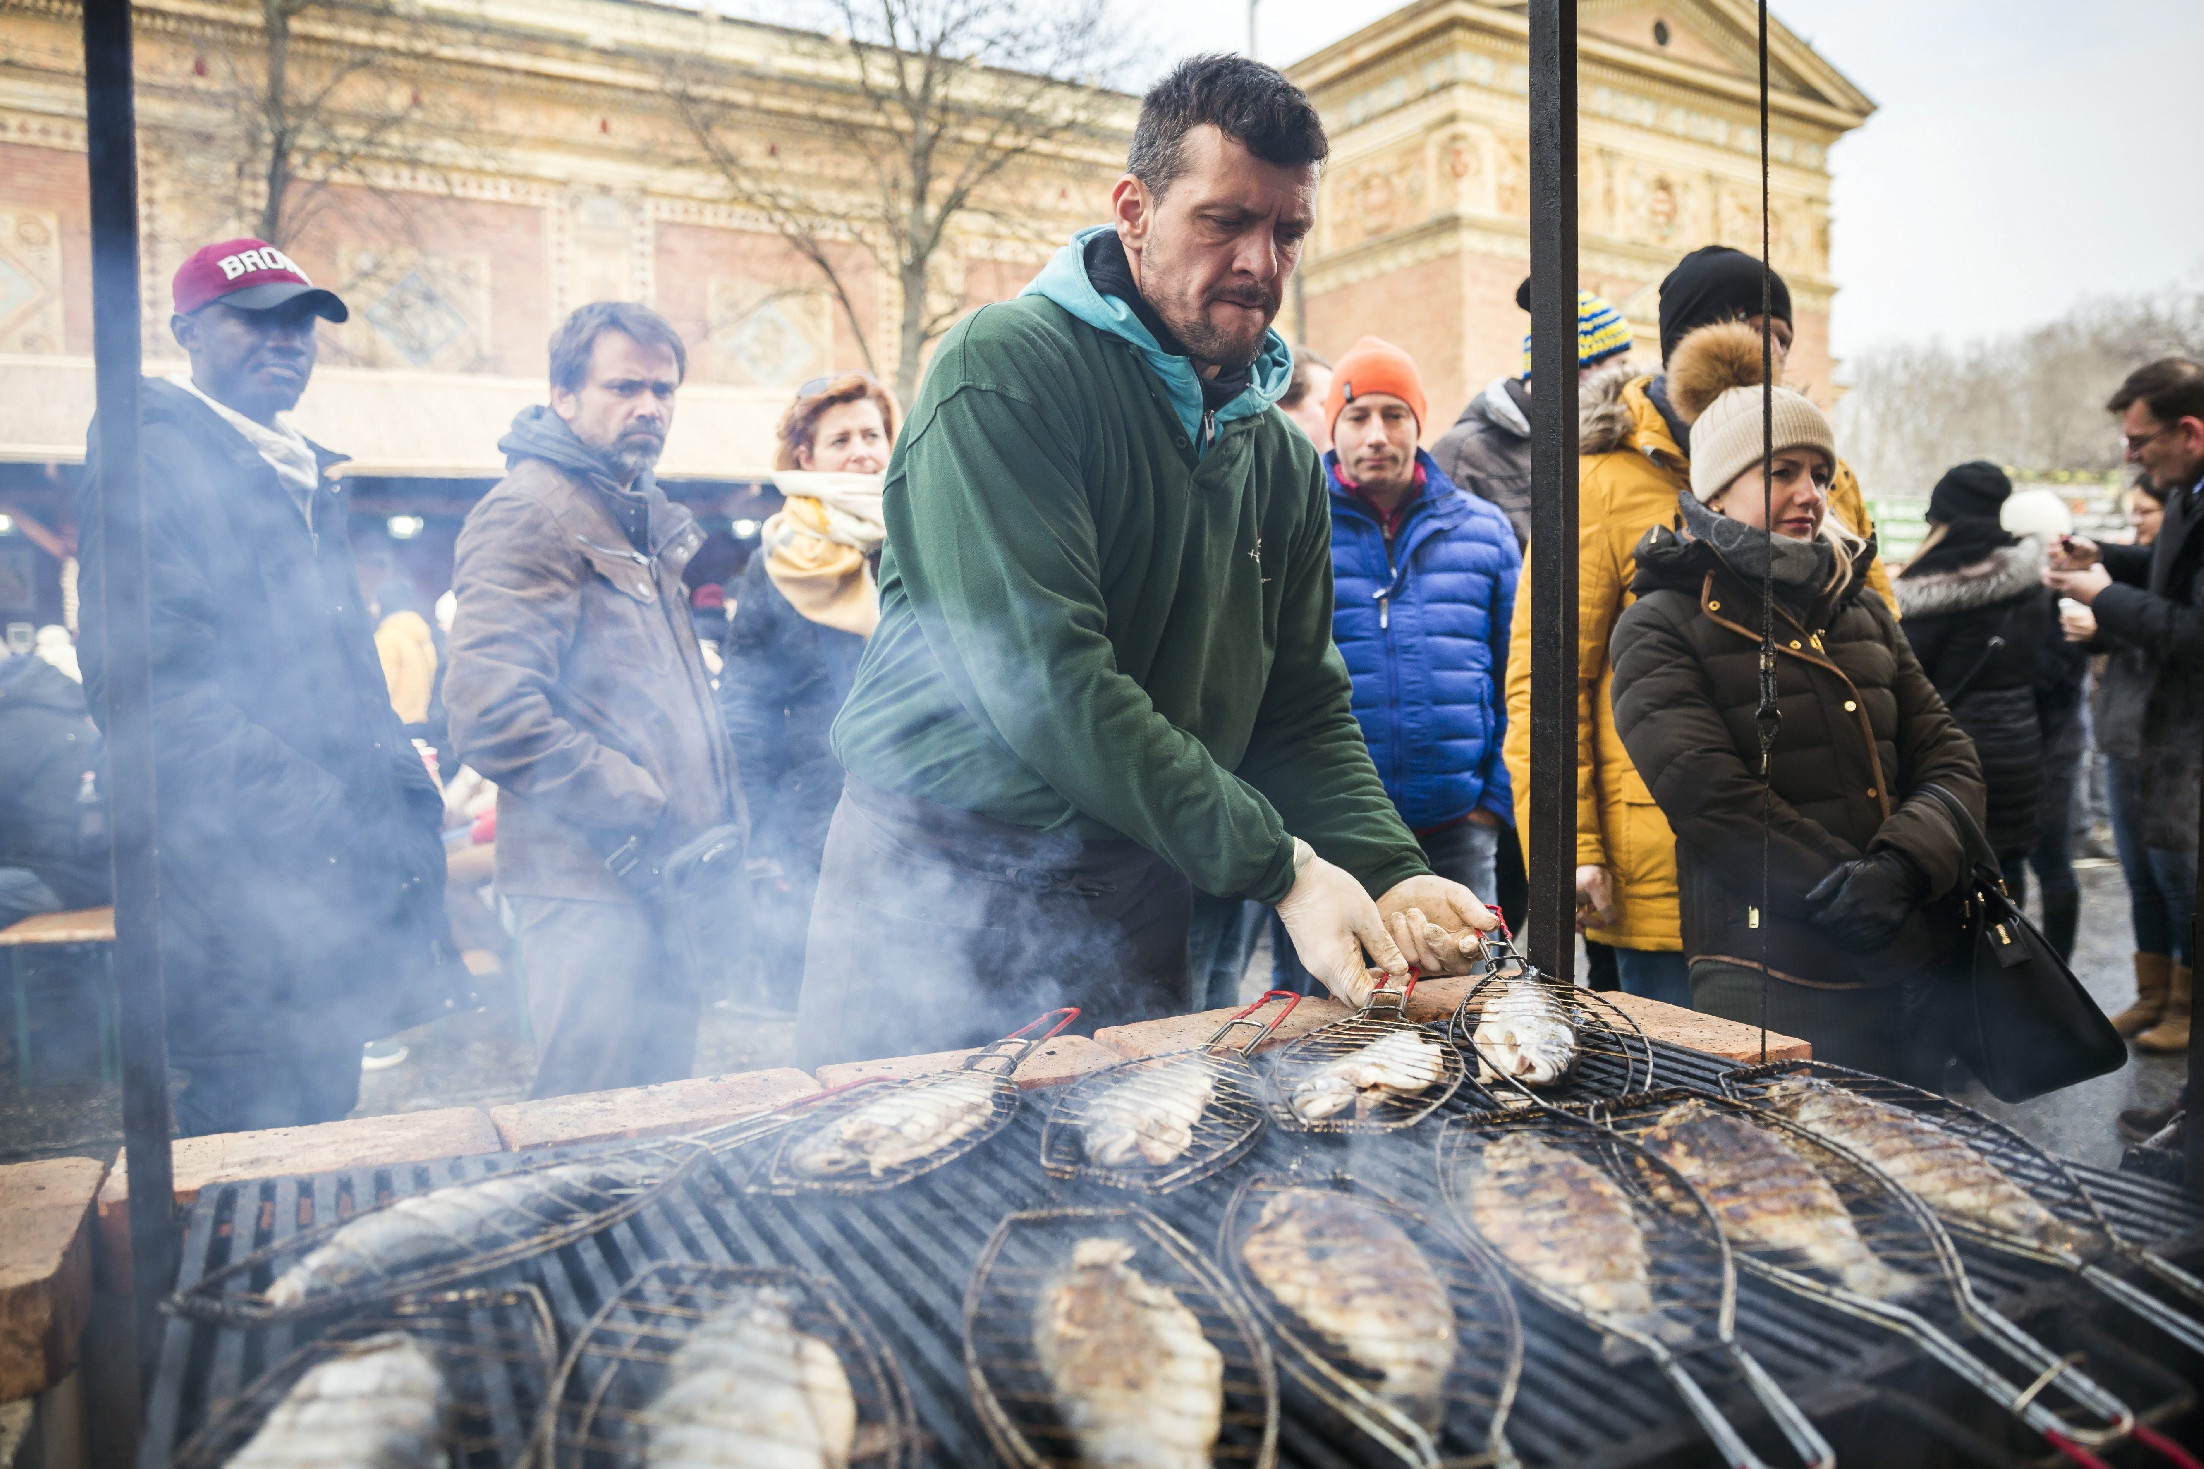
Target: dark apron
x=935, y=929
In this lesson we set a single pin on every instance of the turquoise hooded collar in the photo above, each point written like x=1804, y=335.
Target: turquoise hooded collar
x=1064, y=281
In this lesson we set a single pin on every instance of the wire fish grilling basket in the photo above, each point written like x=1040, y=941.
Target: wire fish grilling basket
x=1317, y=1072
x=1019, y=1297
x=1460, y=1423
x=1610, y=1058
x=1603, y=1232
x=430, y=1241
x=877, y=1135
x=1162, y=1122
x=495, y=1351
x=2085, y=1236
x=701, y=1366
x=1901, y=1234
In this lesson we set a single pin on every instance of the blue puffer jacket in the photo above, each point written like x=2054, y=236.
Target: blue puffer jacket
x=1425, y=635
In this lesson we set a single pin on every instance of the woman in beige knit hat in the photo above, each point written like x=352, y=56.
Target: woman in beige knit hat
x=1855, y=846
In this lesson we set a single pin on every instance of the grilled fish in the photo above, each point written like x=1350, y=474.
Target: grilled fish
x=1767, y=1196
x=900, y=1125
x=748, y=1390
x=448, y=1224
x=1525, y=1031
x=1561, y=1220
x=1951, y=1177
x=1354, y=1274
x=1404, y=1061
x=381, y=1405
x=1150, y=1115
x=1137, y=1383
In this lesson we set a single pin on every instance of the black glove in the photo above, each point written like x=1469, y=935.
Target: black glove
x=1863, y=904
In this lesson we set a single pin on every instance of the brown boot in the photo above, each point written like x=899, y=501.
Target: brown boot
x=2171, y=1033
x=2153, y=975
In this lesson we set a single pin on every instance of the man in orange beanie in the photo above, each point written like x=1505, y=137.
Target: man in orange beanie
x=1423, y=580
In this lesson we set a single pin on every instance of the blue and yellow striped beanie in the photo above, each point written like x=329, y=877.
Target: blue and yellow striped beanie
x=1601, y=332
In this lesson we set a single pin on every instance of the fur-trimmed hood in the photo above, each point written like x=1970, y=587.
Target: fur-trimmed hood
x=1605, y=421
x=2003, y=574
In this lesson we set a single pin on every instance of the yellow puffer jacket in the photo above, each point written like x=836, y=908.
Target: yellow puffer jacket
x=1629, y=474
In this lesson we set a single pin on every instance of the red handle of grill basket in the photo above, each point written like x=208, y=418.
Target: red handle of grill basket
x=1288, y=996
x=2150, y=1438
x=2075, y=1451
x=1069, y=1012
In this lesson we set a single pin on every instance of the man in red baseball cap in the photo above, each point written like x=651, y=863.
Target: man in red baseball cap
x=302, y=871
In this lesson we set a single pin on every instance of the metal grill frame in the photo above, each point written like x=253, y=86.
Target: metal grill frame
x=1007, y=1430
x=1687, y=1213
x=1604, y=1033
x=566, y=1426
x=465, y=1331
x=1897, y=1213
x=1234, y=1082
x=1385, y=1014
x=1475, y=1288
x=2037, y=1173
x=998, y=1060
x=208, y=1299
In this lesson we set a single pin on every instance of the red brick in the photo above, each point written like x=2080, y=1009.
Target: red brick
x=647, y=1111
x=1053, y=1063
x=45, y=1269
x=1709, y=1033
x=1184, y=1032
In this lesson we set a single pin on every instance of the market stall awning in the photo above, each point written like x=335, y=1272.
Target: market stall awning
x=408, y=424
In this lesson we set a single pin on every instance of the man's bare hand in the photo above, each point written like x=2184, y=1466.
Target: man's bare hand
x=2073, y=553
x=1595, y=898
x=2083, y=585
x=1436, y=923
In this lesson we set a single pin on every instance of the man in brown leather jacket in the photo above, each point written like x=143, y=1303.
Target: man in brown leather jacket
x=576, y=685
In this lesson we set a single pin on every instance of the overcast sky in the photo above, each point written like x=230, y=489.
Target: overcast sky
x=2024, y=154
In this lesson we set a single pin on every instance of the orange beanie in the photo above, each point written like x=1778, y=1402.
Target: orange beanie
x=1374, y=365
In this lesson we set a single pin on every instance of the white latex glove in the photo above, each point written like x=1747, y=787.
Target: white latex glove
x=1332, y=921
x=1595, y=897
x=1436, y=922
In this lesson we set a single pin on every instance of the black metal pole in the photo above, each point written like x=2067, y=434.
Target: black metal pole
x=1552, y=828
x=2192, y=1131
x=111, y=141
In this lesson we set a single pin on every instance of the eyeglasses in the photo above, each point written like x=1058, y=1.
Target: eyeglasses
x=2132, y=442
x=818, y=385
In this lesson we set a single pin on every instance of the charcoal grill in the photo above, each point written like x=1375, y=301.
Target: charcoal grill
x=1488, y=1362
x=495, y=1348
x=1384, y=1017
x=1216, y=1136
x=780, y=1171
x=598, y=1416
x=501, y=1232
x=1690, y=1276
x=2042, y=1176
x=904, y=1259
x=1901, y=1232
x=1020, y=1266
x=1613, y=1057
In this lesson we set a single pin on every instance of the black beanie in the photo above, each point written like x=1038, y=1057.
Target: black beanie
x=1977, y=488
x=1523, y=295
x=1712, y=284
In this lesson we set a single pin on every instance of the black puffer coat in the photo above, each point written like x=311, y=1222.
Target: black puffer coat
x=302, y=873
x=1952, y=616
x=1862, y=731
x=48, y=745
x=2150, y=705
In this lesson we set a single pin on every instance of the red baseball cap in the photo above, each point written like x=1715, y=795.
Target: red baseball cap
x=251, y=275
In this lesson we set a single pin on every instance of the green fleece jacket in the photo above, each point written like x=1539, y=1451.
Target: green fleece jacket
x=1102, y=609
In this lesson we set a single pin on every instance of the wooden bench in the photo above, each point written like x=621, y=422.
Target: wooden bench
x=60, y=930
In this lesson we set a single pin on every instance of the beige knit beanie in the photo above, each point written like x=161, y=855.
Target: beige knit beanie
x=1714, y=382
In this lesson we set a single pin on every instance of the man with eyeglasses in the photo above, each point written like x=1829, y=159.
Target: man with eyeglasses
x=2148, y=602
x=1104, y=668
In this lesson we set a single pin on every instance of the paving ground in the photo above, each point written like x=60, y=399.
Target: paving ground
x=483, y=1057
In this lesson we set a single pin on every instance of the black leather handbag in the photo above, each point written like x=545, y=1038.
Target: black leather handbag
x=2006, y=1004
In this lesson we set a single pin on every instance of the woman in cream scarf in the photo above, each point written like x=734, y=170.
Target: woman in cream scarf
x=803, y=608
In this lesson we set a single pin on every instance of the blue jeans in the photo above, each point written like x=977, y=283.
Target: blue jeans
x=2161, y=884
x=1657, y=974
x=1220, y=940
x=1465, y=853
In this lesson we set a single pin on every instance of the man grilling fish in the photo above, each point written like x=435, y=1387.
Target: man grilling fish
x=1104, y=672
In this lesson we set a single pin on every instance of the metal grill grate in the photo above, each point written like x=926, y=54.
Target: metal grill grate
x=1897, y=1232
x=1461, y=1425
x=495, y=1350
x=1613, y=1057
x=605, y=1408
x=1013, y=1289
